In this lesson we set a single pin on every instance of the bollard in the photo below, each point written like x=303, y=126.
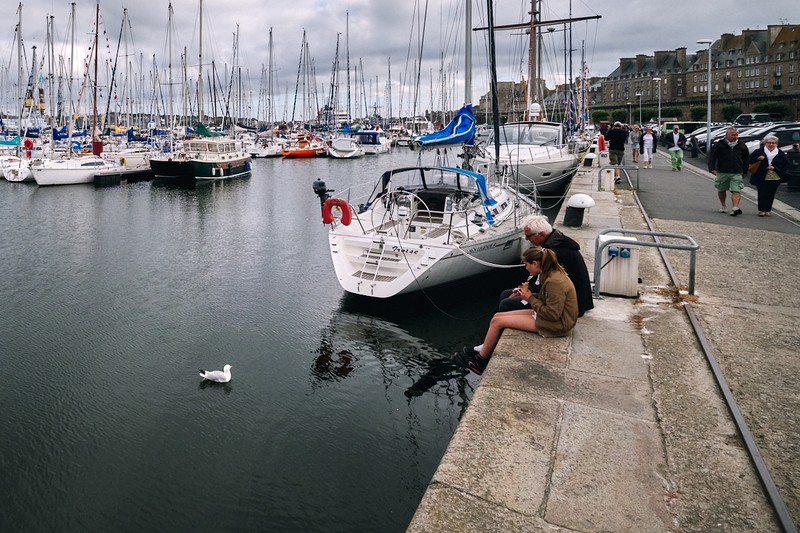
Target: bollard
x=588, y=160
x=576, y=205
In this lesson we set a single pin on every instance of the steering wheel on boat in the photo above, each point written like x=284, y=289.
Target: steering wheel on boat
x=391, y=198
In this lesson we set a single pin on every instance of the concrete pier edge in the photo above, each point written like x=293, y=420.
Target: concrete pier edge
x=618, y=427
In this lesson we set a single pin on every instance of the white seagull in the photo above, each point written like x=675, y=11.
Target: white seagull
x=220, y=376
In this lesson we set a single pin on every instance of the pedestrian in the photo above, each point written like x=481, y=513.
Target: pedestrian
x=636, y=138
x=539, y=232
x=553, y=314
x=649, y=143
x=676, y=142
x=771, y=169
x=616, y=145
x=727, y=161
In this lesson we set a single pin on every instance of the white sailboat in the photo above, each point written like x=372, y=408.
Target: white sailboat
x=345, y=148
x=424, y=226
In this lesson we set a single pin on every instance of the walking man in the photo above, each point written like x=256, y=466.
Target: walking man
x=727, y=160
x=676, y=142
x=616, y=139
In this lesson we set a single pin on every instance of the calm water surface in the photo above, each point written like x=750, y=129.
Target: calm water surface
x=339, y=409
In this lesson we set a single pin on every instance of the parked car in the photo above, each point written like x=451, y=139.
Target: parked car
x=683, y=126
x=787, y=137
x=746, y=119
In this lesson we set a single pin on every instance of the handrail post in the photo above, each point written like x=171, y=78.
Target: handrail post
x=598, y=248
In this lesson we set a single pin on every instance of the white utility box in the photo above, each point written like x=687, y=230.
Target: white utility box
x=620, y=275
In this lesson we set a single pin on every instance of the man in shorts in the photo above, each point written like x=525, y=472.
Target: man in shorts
x=616, y=139
x=728, y=162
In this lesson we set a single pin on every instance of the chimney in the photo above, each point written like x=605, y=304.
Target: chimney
x=680, y=57
x=661, y=58
x=640, y=61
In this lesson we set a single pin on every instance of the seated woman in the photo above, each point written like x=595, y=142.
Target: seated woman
x=555, y=308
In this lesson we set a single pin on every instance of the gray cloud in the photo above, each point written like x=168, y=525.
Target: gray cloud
x=380, y=30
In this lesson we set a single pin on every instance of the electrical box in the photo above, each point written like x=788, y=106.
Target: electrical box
x=620, y=261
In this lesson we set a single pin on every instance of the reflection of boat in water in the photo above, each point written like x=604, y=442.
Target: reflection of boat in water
x=356, y=343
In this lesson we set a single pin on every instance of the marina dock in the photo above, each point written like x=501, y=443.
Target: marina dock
x=621, y=426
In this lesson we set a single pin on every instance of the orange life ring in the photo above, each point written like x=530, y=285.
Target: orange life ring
x=327, y=211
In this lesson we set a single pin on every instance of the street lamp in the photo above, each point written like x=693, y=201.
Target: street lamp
x=639, y=96
x=707, y=42
x=630, y=116
x=658, y=80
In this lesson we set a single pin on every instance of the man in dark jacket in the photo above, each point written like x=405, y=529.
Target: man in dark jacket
x=728, y=162
x=616, y=139
x=539, y=232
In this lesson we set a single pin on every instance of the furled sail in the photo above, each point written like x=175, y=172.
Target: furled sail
x=460, y=130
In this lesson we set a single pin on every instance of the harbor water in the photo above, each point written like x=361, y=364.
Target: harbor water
x=339, y=409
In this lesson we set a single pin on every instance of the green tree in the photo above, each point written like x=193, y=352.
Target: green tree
x=698, y=112
x=730, y=112
x=671, y=112
x=776, y=108
x=619, y=115
x=599, y=116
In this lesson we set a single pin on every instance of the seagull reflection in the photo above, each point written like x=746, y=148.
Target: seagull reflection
x=227, y=387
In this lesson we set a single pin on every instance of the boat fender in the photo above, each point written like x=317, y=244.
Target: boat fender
x=122, y=161
x=344, y=207
x=601, y=143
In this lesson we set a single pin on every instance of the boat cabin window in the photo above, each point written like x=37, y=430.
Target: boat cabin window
x=533, y=134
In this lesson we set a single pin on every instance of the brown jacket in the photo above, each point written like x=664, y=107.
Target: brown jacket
x=556, y=306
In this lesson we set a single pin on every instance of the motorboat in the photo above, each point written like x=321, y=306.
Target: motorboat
x=15, y=168
x=71, y=171
x=422, y=227
x=535, y=152
x=373, y=141
x=345, y=148
x=306, y=146
x=265, y=148
x=203, y=158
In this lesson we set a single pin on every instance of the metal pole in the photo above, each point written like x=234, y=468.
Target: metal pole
x=640, y=109
x=658, y=81
x=707, y=42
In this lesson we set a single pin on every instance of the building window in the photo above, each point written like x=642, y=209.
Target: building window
x=766, y=71
x=766, y=84
x=738, y=85
x=791, y=81
x=791, y=67
x=739, y=73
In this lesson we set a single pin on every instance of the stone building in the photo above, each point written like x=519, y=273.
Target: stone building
x=756, y=66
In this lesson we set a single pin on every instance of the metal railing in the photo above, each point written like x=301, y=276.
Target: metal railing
x=616, y=167
x=598, y=248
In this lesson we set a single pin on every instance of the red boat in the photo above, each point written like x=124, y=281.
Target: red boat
x=305, y=147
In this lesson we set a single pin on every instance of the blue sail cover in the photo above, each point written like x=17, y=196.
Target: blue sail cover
x=460, y=130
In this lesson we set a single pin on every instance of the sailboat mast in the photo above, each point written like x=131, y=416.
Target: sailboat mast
x=94, y=86
x=347, y=47
x=200, y=75
x=468, y=55
x=533, y=82
x=20, y=96
x=493, y=85
x=270, y=87
x=169, y=78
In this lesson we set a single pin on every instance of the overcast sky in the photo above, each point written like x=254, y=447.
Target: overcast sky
x=380, y=31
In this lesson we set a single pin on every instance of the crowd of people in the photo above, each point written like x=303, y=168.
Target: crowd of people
x=557, y=290
x=729, y=160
